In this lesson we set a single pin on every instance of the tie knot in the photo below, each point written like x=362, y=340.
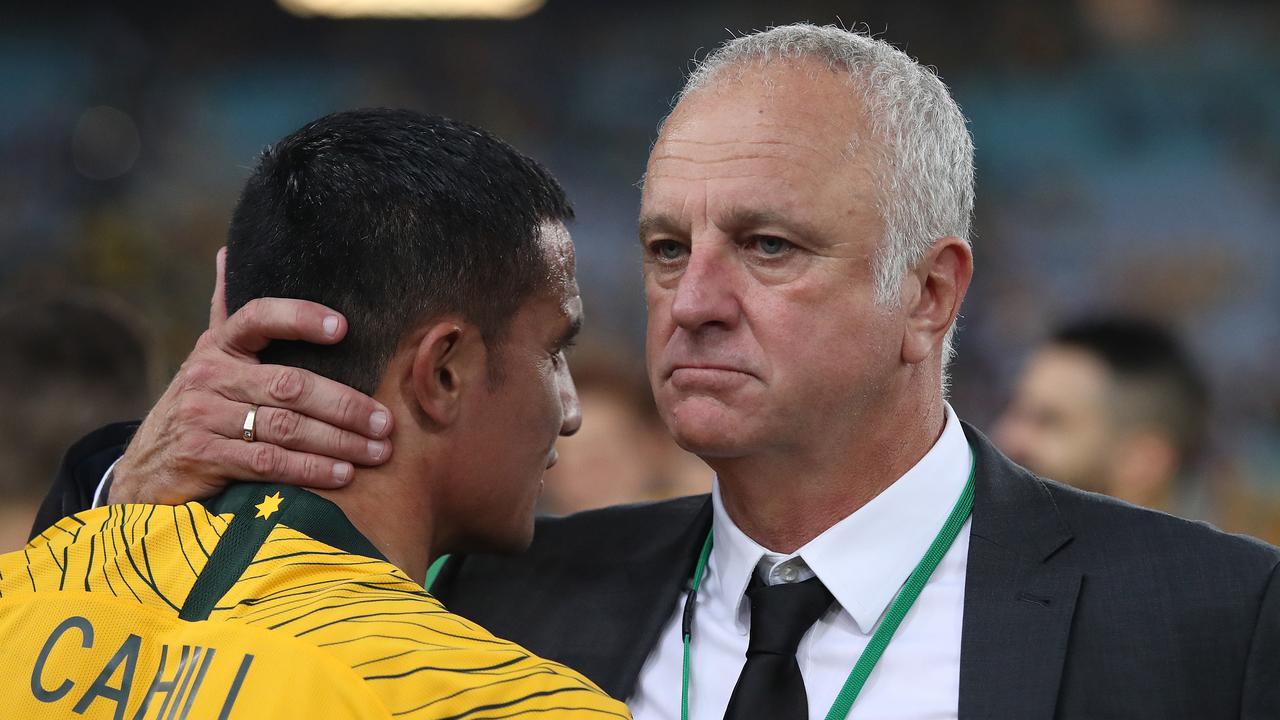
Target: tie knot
x=782, y=614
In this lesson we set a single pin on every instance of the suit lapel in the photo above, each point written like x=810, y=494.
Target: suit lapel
x=640, y=595
x=1018, y=602
x=594, y=590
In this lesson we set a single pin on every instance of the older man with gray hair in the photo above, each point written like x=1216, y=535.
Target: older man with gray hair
x=863, y=554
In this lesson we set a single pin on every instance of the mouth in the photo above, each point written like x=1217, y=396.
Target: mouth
x=552, y=458
x=712, y=379
x=706, y=368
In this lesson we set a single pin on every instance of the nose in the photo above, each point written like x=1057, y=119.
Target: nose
x=571, y=407
x=705, y=294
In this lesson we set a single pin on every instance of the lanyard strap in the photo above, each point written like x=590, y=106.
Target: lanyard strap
x=888, y=626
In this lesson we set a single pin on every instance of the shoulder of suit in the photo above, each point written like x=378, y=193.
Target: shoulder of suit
x=1111, y=526
x=620, y=522
x=109, y=439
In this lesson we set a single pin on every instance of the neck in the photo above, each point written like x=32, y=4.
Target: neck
x=393, y=514
x=785, y=500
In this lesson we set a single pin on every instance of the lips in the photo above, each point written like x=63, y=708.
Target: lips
x=707, y=368
x=711, y=379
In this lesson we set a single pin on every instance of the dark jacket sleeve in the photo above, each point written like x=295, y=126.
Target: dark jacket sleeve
x=1261, y=697
x=81, y=470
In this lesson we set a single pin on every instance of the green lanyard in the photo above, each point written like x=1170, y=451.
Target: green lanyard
x=883, y=634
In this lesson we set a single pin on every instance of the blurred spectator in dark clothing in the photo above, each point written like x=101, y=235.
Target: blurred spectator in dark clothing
x=1112, y=405
x=68, y=364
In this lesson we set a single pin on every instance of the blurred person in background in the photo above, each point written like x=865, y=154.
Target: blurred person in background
x=623, y=454
x=68, y=362
x=1117, y=405
x=1112, y=405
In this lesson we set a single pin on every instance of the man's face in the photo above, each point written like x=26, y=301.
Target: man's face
x=759, y=228
x=1058, y=423
x=512, y=426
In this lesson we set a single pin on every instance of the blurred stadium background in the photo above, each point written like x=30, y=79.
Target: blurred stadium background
x=1128, y=161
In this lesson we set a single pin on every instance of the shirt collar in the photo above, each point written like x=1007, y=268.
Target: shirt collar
x=865, y=558
x=306, y=512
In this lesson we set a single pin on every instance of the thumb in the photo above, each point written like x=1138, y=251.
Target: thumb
x=218, y=304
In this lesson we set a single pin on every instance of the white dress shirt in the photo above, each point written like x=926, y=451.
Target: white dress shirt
x=864, y=560
x=99, y=493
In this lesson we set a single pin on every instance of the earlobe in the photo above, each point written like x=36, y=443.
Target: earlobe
x=943, y=279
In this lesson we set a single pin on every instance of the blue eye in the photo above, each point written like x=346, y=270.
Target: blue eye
x=770, y=245
x=668, y=249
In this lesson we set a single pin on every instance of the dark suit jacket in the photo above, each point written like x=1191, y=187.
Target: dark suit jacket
x=1076, y=605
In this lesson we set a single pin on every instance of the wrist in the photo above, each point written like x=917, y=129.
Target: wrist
x=116, y=490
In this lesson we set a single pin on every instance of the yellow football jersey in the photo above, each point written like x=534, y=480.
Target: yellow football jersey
x=267, y=603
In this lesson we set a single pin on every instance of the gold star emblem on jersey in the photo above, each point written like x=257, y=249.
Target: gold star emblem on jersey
x=269, y=505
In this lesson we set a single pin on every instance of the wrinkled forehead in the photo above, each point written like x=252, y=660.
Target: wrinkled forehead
x=793, y=142
x=796, y=102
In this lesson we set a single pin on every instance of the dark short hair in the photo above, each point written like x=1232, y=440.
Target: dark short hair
x=392, y=218
x=1157, y=384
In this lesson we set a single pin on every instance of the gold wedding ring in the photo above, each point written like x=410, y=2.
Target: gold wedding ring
x=249, y=419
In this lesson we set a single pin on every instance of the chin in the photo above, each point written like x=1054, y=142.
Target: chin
x=505, y=542
x=500, y=535
x=709, y=442
x=707, y=428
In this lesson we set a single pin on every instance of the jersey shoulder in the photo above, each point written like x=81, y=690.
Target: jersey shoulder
x=421, y=660
x=151, y=554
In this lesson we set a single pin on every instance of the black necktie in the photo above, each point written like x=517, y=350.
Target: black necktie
x=770, y=685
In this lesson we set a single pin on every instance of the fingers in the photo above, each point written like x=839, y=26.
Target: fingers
x=315, y=397
x=262, y=320
x=218, y=305
x=272, y=463
x=218, y=384
x=296, y=432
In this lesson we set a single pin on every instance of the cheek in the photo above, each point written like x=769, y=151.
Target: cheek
x=552, y=398
x=657, y=300
x=1090, y=440
x=659, y=324
x=808, y=337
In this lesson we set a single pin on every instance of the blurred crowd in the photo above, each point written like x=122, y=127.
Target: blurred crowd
x=1129, y=167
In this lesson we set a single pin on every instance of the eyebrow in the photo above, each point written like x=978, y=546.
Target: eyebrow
x=736, y=219
x=655, y=224
x=740, y=217
x=571, y=332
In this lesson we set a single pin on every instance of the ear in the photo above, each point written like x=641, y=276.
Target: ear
x=1143, y=469
x=939, y=284
x=448, y=360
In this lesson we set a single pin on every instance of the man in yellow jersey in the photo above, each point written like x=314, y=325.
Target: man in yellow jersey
x=449, y=248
